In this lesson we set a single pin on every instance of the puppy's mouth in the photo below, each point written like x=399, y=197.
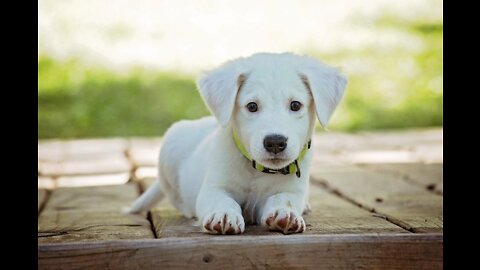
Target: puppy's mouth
x=276, y=162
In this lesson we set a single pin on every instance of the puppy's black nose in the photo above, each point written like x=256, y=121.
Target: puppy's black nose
x=275, y=143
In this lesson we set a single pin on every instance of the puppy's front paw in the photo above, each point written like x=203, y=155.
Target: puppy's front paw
x=285, y=221
x=227, y=222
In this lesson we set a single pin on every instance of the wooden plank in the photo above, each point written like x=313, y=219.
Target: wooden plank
x=51, y=150
x=372, y=155
x=429, y=153
x=50, y=168
x=81, y=149
x=42, y=196
x=417, y=145
x=114, y=163
x=144, y=151
x=330, y=215
x=394, y=251
x=58, y=150
x=336, y=141
x=409, y=206
x=98, y=198
x=167, y=221
x=46, y=182
x=90, y=226
x=406, y=138
x=93, y=180
x=91, y=214
x=103, y=164
x=379, y=147
x=428, y=176
x=355, y=148
x=146, y=173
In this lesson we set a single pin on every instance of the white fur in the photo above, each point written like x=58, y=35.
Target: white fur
x=201, y=170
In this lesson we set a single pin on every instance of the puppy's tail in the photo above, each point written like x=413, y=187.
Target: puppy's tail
x=147, y=200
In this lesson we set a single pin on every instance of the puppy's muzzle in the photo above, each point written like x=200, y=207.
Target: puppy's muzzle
x=275, y=143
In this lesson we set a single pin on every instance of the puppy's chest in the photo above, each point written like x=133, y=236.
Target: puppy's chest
x=251, y=204
x=253, y=188
x=252, y=195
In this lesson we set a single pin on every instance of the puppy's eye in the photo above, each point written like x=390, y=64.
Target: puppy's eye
x=295, y=106
x=252, y=107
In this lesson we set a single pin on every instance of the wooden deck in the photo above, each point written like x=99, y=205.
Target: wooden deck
x=377, y=202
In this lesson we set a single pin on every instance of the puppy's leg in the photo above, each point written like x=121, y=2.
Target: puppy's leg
x=219, y=212
x=282, y=212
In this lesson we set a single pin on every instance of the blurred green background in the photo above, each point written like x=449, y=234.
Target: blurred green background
x=389, y=87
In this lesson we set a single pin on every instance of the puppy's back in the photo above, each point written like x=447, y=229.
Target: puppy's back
x=181, y=140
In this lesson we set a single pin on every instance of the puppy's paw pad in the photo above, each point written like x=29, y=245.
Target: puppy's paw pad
x=227, y=222
x=285, y=221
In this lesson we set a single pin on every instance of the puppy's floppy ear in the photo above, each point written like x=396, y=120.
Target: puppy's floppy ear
x=219, y=90
x=326, y=85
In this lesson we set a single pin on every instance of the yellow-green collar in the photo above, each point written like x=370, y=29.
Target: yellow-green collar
x=291, y=168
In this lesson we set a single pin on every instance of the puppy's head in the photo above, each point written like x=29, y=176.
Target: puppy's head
x=271, y=100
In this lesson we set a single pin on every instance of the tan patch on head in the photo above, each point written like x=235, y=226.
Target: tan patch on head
x=311, y=108
x=306, y=82
x=241, y=80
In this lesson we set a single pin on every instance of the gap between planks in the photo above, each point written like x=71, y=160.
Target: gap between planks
x=141, y=189
x=87, y=214
x=406, y=175
x=329, y=215
x=44, y=201
x=323, y=184
x=131, y=162
x=418, y=171
x=389, y=217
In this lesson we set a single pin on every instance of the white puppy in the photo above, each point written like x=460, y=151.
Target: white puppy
x=251, y=163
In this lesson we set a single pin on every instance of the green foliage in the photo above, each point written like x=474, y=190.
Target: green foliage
x=75, y=101
x=392, y=87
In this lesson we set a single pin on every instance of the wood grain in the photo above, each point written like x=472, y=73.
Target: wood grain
x=362, y=217
x=93, y=180
x=46, y=183
x=59, y=150
x=394, y=251
x=104, y=198
x=406, y=138
x=428, y=176
x=330, y=215
x=424, y=145
x=66, y=226
x=91, y=214
x=146, y=172
x=103, y=164
x=90, y=226
x=416, y=145
x=409, y=206
x=144, y=151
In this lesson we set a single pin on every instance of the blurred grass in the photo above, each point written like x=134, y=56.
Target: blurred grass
x=393, y=87
x=390, y=88
x=75, y=101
